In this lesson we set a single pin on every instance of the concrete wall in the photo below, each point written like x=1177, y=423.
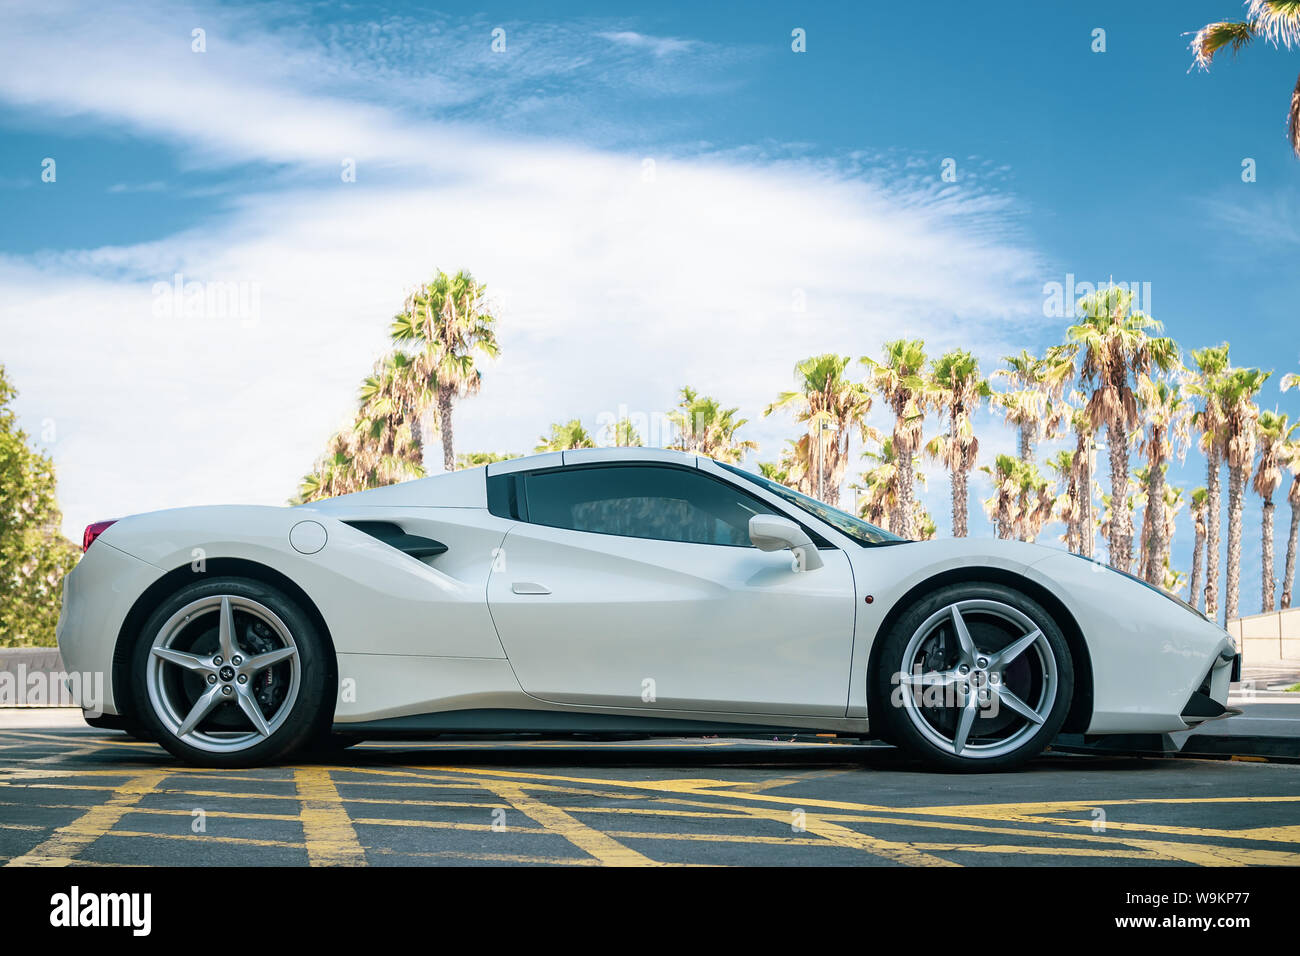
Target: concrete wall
x=1268, y=637
x=19, y=664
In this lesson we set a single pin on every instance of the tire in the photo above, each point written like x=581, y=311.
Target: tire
x=997, y=713
x=180, y=675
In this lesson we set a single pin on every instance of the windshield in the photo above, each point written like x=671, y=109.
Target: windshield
x=857, y=529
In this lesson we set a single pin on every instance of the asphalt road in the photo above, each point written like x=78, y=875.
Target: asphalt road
x=76, y=797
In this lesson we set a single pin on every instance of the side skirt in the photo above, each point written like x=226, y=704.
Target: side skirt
x=506, y=721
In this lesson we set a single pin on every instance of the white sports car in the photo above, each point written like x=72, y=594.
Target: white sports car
x=611, y=591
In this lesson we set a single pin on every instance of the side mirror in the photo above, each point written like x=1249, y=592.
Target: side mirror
x=774, y=533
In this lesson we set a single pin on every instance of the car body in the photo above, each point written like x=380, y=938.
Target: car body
x=618, y=591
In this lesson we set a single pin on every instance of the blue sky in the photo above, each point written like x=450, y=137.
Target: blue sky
x=777, y=177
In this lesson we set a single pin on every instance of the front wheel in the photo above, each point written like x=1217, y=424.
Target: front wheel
x=976, y=677
x=229, y=672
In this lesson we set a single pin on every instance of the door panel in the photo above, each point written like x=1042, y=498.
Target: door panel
x=633, y=622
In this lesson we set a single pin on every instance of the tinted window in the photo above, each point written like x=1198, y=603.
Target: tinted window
x=667, y=504
x=855, y=528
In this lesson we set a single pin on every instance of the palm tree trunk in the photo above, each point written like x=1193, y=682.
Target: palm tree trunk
x=1072, y=524
x=1236, y=488
x=1153, y=525
x=906, y=479
x=415, y=449
x=1267, y=585
x=831, y=461
x=1213, y=510
x=1085, y=492
x=1121, y=519
x=1198, y=558
x=960, y=492
x=1288, y=576
x=960, y=503
x=444, y=426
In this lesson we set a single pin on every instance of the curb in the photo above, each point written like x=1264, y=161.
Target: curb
x=1246, y=748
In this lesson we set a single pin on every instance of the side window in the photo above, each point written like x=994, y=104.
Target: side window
x=667, y=504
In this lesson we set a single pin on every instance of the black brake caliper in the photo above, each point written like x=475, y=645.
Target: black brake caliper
x=269, y=690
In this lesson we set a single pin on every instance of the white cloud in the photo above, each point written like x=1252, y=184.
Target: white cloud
x=613, y=287
x=656, y=46
x=1268, y=221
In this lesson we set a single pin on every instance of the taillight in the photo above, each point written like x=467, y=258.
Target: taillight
x=92, y=532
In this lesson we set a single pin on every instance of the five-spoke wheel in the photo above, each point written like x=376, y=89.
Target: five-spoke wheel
x=977, y=676
x=238, y=652
x=230, y=671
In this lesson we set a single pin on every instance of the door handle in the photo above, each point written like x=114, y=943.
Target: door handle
x=528, y=587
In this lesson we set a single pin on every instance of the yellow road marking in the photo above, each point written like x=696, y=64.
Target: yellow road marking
x=600, y=845
x=68, y=841
x=64, y=738
x=330, y=837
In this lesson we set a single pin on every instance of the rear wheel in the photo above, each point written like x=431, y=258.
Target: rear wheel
x=976, y=677
x=230, y=672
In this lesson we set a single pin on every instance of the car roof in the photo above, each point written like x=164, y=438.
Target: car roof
x=591, y=456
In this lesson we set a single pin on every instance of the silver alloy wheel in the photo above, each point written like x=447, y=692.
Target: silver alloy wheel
x=227, y=673
x=972, y=683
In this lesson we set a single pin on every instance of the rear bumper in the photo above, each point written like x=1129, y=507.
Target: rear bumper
x=97, y=597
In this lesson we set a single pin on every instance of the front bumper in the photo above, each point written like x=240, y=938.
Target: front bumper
x=1149, y=655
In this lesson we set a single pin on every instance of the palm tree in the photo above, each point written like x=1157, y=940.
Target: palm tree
x=880, y=484
x=565, y=436
x=883, y=485
x=1207, y=382
x=389, y=445
x=1172, y=579
x=334, y=473
x=1003, y=507
x=793, y=468
x=1240, y=387
x=1278, y=22
x=1107, y=517
x=1117, y=350
x=476, y=459
x=898, y=379
x=382, y=445
x=446, y=322
x=1174, y=499
x=705, y=428
x=1292, y=457
x=956, y=388
x=622, y=434
x=1084, y=462
x=1034, y=402
x=1022, y=501
x=1068, y=506
x=1167, y=415
x=923, y=526
x=1276, y=434
x=1037, y=496
x=1165, y=511
x=833, y=408
x=1200, y=502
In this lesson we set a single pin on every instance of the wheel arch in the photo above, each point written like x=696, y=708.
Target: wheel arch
x=173, y=581
x=1080, y=714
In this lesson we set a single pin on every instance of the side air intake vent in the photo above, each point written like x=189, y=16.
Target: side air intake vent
x=393, y=536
